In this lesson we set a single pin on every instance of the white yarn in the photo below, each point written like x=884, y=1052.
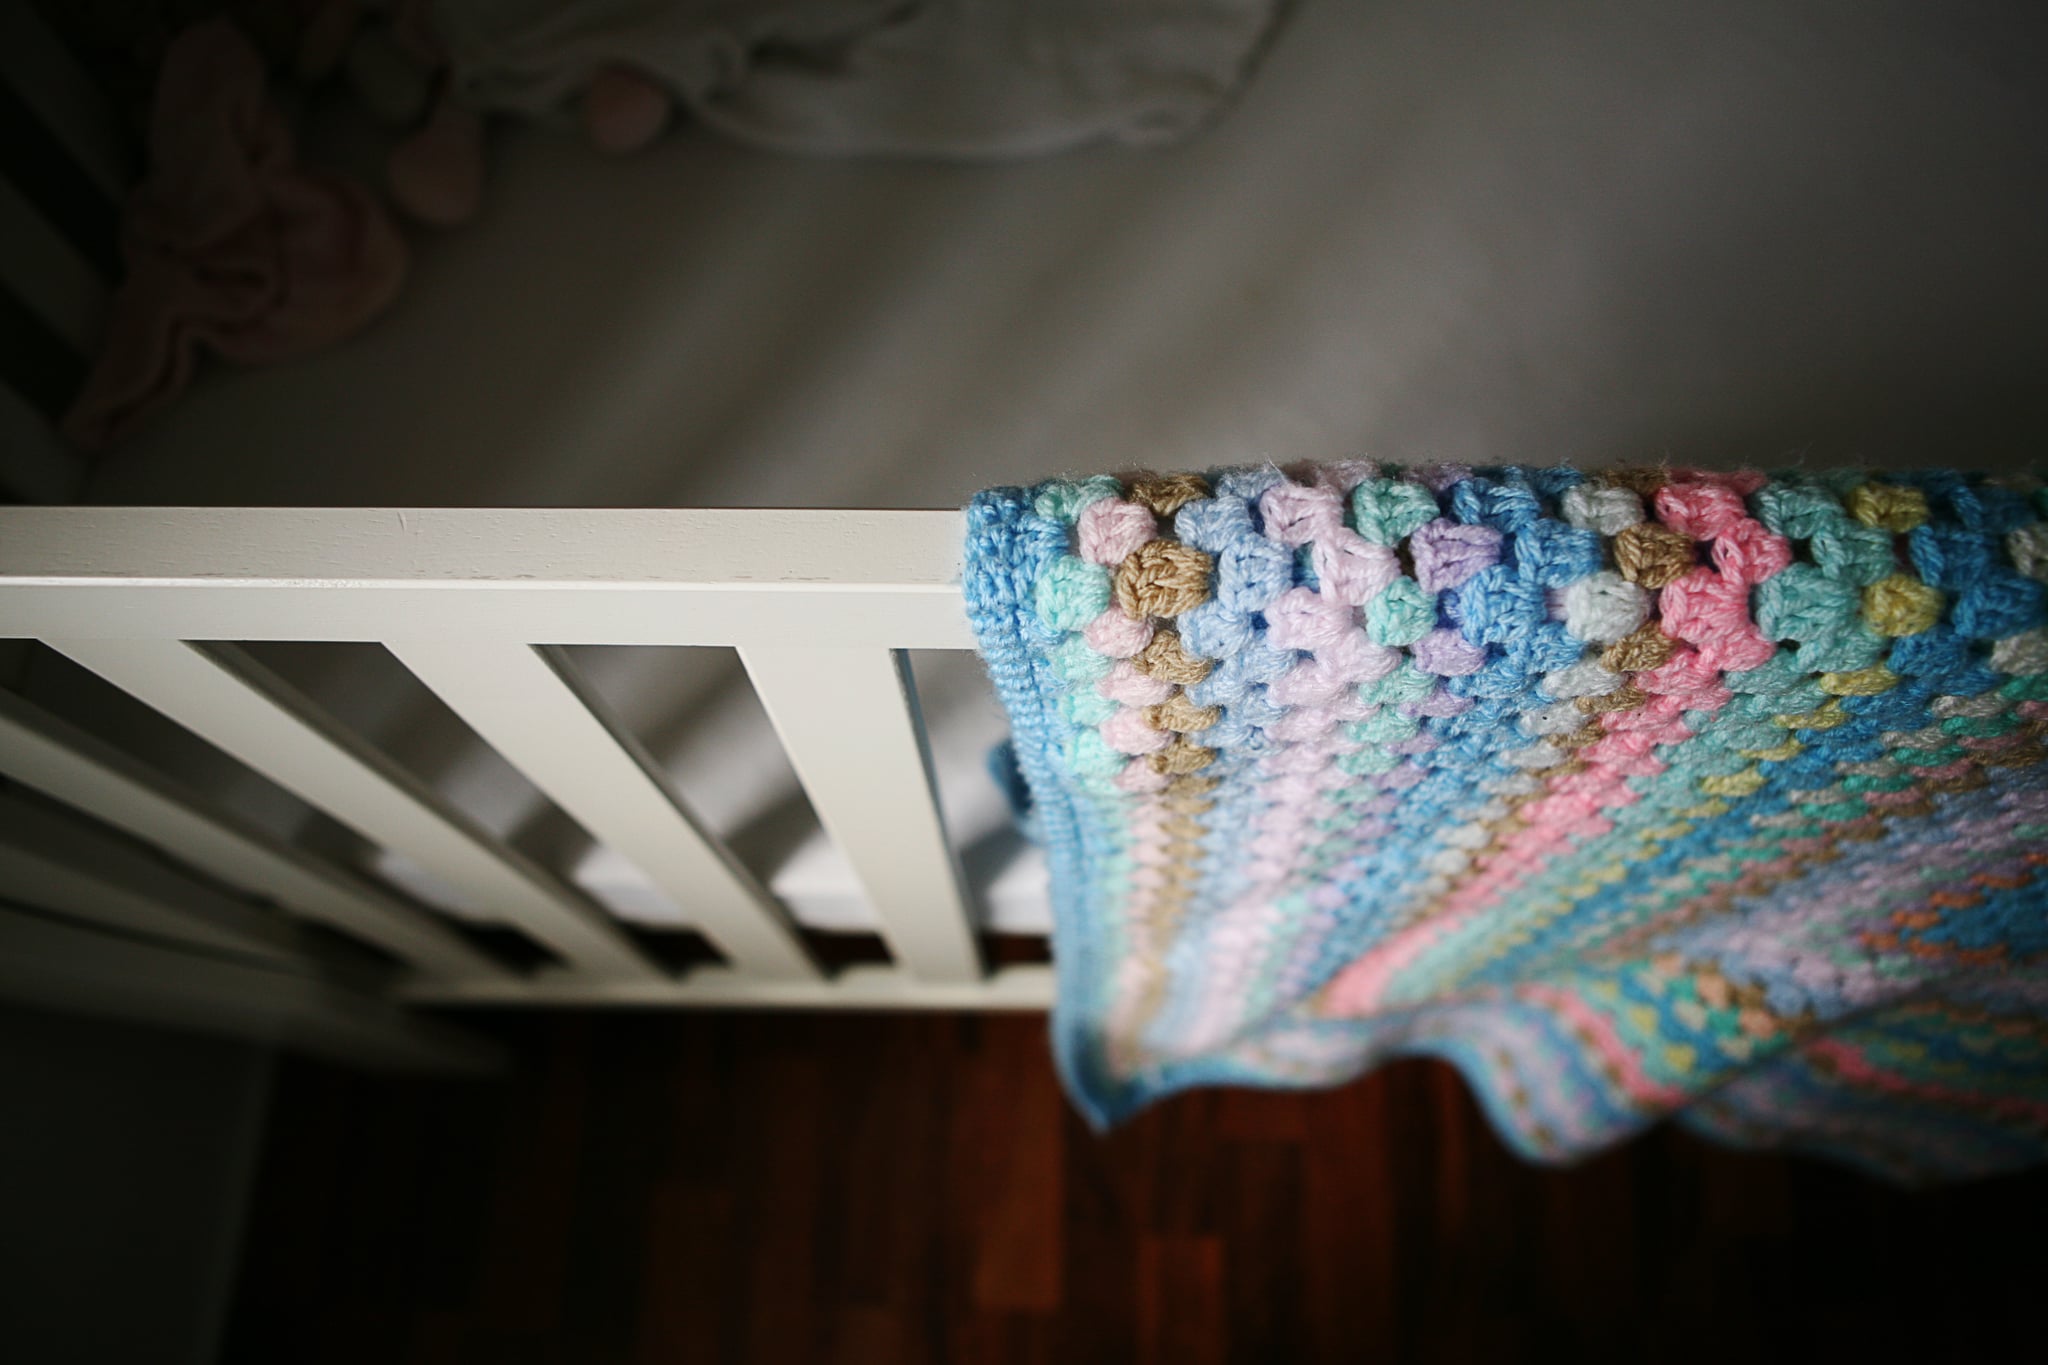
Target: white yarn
x=1976, y=708
x=1558, y=718
x=1604, y=607
x=1608, y=511
x=1512, y=785
x=1586, y=678
x=2024, y=655
x=1535, y=756
x=2028, y=547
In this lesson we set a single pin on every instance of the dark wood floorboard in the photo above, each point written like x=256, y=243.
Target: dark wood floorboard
x=835, y=1188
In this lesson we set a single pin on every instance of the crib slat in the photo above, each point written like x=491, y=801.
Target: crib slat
x=530, y=705
x=61, y=761
x=54, y=862
x=221, y=694
x=46, y=272
x=848, y=718
x=35, y=464
x=35, y=64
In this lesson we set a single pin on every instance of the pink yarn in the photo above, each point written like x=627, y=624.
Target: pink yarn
x=1344, y=475
x=1309, y=683
x=1351, y=568
x=1127, y=685
x=1138, y=776
x=1295, y=515
x=1301, y=619
x=1688, y=678
x=1116, y=633
x=1748, y=553
x=1700, y=510
x=1303, y=725
x=1712, y=612
x=1128, y=732
x=1353, y=657
x=1110, y=529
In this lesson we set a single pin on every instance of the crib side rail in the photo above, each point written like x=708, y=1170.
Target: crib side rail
x=820, y=606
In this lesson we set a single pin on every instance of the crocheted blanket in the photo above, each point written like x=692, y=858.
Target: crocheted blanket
x=1631, y=794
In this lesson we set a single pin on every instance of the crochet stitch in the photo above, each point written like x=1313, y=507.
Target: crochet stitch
x=1632, y=794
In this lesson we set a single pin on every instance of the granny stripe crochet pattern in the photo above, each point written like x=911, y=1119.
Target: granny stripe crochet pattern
x=1629, y=793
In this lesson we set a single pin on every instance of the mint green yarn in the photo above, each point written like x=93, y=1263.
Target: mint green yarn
x=1384, y=726
x=1402, y=614
x=1929, y=758
x=1101, y=785
x=1388, y=511
x=1086, y=706
x=1776, y=687
x=1898, y=782
x=2031, y=688
x=1802, y=603
x=1071, y=592
x=1754, y=734
x=1854, y=553
x=1798, y=511
x=1843, y=651
x=1406, y=683
x=1368, y=761
x=1063, y=500
x=1709, y=763
x=1088, y=755
x=1075, y=662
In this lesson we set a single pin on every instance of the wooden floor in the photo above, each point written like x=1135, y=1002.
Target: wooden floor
x=914, y=1189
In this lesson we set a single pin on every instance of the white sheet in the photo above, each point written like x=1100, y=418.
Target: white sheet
x=1713, y=233
x=953, y=78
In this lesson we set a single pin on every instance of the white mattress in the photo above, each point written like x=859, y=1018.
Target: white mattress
x=1714, y=234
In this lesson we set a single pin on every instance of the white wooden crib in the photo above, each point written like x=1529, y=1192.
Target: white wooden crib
x=819, y=605
x=126, y=890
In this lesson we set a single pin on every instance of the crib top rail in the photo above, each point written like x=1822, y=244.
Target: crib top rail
x=473, y=602
x=532, y=575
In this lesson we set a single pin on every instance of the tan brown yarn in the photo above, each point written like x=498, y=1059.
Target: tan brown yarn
x=1642, y=480
x=1179, y=714
x=1165, y=496
x=1163, y=578
x=1189, y=794
x=1627, y=697
x=1589, y=733
x=1644, y=648
x=1652, y=555
x=1164, y=659
x=1182, y=757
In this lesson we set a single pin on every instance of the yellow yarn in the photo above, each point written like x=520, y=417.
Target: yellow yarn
x=1864, y=682
x=1777, y=753
x=1744, y=783
x=1901, y=605
x=1887, y=505
x=1822, y=718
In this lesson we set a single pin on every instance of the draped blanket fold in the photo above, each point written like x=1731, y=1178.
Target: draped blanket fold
x=1633, y=794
